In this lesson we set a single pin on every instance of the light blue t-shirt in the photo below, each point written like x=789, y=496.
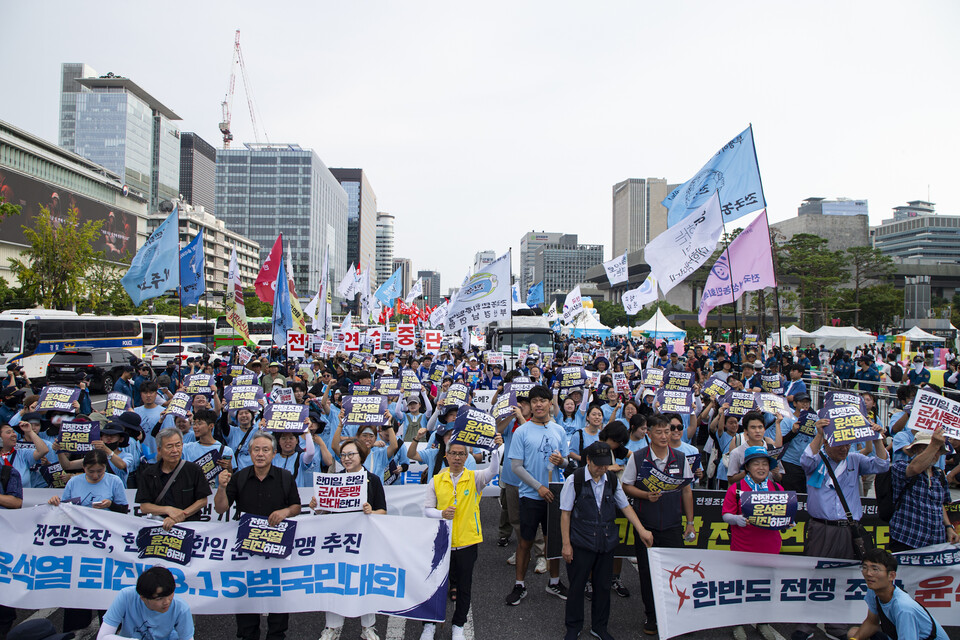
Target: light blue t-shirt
x=507, y=475
x=608, y=411
x=911, y=621
x=636, y=445
x=304, y=474
x=573, y=424
x=573, y=442
x=377, y=460
x=797, y=444
x=148, y=420
x=241, y=453
x=137, y=621
x=689, y=450
x=193, y=451
x=110, y=488
x=533, y=444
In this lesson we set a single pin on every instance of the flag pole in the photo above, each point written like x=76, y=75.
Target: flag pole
x=776, y=288
x=733, y=294
x=179, y=293
x=510, y=260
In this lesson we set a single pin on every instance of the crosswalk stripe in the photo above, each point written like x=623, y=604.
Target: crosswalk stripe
x=41, y=613
x=468, y=627
x=396, y=628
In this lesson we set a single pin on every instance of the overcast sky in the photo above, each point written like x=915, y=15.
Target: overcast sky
x=477, y=122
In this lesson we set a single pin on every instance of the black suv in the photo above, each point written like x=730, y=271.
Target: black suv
x=102, y=366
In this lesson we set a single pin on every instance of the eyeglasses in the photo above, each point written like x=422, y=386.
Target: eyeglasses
x=348, y=454
x=457, y=454
x=872, y=568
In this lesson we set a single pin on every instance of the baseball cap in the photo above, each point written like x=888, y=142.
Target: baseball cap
x=599, y=453
x=918, y=358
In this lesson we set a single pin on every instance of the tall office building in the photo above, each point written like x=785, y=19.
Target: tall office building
x=917, y=233
x=198, y=171
x=563, y=264
x=431, y=287
x=406, y=274
x=482, y=259
x=638, y=216
x=361, y=219
x=384, y=260
x=115, y=123
x=267, y=189
x=529, y=243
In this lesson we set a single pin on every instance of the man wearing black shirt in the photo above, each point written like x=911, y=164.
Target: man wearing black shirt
x=266, y=491
x=187, y=493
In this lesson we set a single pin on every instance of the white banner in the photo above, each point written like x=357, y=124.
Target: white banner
x=483, y=298
x=683, y=248
x=572, y=305
x=415, y=291
x=616, y=269
x=439, y=315
x=345, y=563
x=697, y=589
x=634, y=299
x=931, y=410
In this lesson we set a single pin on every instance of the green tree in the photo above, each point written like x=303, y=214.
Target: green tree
x=105, y=292
x=8, y=209
x=866, y=263
x=879, y=304
x=52, y=271
x=254, y=306
x=612, y=314
x=819, y=271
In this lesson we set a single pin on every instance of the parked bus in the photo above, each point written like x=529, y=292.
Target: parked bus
x=159, y=330
x=32, y=336
x=260, y=329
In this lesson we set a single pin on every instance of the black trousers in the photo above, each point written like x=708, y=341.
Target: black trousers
x=461, y=576
x=794, y=479
x=669, y=538
x=578, y=572
x=248, y=626
x=77, y=619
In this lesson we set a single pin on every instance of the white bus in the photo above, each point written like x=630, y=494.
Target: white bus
x=159, y=330
x=32, y=336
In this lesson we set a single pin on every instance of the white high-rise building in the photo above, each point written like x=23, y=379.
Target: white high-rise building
x=385, y=223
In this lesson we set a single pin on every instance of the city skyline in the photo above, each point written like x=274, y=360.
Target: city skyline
x=541, y=92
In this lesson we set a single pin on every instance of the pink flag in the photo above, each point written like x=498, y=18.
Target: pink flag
x=746, y=265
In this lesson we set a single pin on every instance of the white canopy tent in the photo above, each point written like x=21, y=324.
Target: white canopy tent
x=848, y=338
x=588, y=325
x=916, y=334
x=791, y=335
x=620, y=331
x=659, y=327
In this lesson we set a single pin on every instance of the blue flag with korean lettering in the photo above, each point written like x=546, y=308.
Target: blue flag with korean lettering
x=733, y=172
x=535, y=294
x=153, y=270
x=282, y=316
x=389, y=290
x=192, y=281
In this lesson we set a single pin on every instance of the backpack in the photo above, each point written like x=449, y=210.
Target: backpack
x=883, y=486
x=896, y=372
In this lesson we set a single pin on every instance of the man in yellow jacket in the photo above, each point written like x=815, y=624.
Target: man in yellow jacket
x=454, y=494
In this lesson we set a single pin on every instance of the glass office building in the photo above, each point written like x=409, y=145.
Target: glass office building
x=267, y=189
x=361, y=220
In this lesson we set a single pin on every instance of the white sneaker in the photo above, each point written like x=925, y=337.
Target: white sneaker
x=541, y=565
x=456, y=633
x=331, y=633
x=429, y=629
x=369, y=633
x=512, y=559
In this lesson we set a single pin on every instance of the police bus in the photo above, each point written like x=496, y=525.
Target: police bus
x=31, y=336
x=261, y=329
x=159, y=330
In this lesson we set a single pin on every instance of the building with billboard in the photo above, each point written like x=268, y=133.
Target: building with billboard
x=638, y=216
x=563, y=264
x=266, y=189
x=529, y=243
x=406, y=274
x=115, y=123
x=361, y=220
x=35, y=173
x=482, y=259
x=198, y=172
x=384, y=260
x=431, y=287
x=916, y=232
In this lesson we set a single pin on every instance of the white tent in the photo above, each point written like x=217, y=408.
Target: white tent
x=791, y=335
x=848, y=338
x=620, y=331
x=659, y=327
x=588, y=324
x=916, y=334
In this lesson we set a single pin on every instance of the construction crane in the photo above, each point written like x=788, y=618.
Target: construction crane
x=227, y=104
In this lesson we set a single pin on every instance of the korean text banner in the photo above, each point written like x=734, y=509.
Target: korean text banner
x=483, y=298
x=346, y=563
x=696, y=589
x=931, y=411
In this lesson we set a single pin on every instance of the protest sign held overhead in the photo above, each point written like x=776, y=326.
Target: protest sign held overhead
x=281, y=394
x=771, y=383
x=361, y=410
x=457, y=394
x=678, y=380
x=340, y=492
x=773, y=403
x=847, y=424
x=846, y=397
x=387, y=386
x=474, y=428
x=117, y=403
x=208, y=465
x=620, y=382
x=741, y=402
x=652, y=378
x=180, y=404
x=285, y=417
x=77, y=436
x=575, y=358
x=715, y=387
x=55, y=398
x=197, y=383
x=409, y=381
x=243, y=396
x=571, y=377
x=931, y=410
x=674, y=401
x=432, y=340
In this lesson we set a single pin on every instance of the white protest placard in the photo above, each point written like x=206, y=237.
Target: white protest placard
x=931, y=410
x=620, y=382
x=340, y=492
x=406, y=337
x=374, y=337
x=351, y=341
x=296, y=344
x=432, y=339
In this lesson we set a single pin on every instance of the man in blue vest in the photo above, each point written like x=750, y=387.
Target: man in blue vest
x=590, y=537
x=662, y=509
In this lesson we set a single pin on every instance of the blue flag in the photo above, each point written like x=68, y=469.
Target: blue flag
x=390, y=290
x=282, y=316
x=153, y=270
x=535, y=294
x=192, y=281
x=733, y=172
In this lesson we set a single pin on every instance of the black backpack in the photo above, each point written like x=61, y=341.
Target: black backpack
x=883, y=485
x=896, y=372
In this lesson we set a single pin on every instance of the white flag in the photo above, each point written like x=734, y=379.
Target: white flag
x=318, y=306
x=616, y=269
x=552, y=312
x=415, y=291
x=438, y=315
x=680, y=250
x=347, y=323
x=484, y=297
x=572, y=305
x=348, y=286
x=634, y=299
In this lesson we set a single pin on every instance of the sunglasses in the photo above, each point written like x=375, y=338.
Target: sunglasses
x=676, y=427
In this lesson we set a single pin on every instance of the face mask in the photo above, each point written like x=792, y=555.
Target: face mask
x=917, y=366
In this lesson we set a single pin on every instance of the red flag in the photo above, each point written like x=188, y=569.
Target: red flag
x=267, y=278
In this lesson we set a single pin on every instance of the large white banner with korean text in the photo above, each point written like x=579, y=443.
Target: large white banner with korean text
x=696, y=589
x=347, y=563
